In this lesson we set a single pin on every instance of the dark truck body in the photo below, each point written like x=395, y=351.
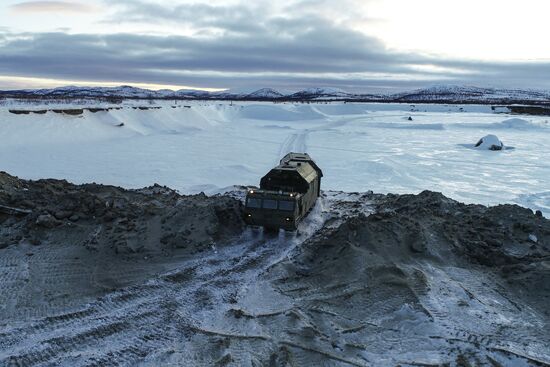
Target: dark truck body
x=286, y=195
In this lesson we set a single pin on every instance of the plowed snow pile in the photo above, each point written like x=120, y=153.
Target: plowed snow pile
x=96, y=275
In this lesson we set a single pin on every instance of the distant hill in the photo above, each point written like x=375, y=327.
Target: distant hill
x=454, y=93
x=434, y=94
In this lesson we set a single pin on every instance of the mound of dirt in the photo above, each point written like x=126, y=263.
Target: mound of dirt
x=63, y=243
x=507, y=239
x=421, y=275
x=370, y=280
x=110, y=218
x=502, y=237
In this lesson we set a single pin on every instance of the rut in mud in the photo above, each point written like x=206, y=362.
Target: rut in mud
x=100, y=276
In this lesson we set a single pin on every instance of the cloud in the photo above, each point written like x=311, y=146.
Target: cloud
x=244, y=45
x=51, y=7
x=317, y=50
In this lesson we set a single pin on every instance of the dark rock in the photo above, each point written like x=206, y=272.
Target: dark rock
x=20, y=112
x=417, y=246
x=109, y=216
x=47, y=221
x=73, y=111
x=35, y=241
x=28, y=204
x=62, y=214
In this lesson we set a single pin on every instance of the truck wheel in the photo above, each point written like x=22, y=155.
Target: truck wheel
x=271, y=230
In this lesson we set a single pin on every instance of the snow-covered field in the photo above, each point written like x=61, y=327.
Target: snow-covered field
x=208, y=146
x=345, y=290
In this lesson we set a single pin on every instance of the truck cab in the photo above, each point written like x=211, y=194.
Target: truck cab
x=286, y=194
x=273, y=209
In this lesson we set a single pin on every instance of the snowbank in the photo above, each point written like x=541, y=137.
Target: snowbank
x=342, y=108
x=280, y=113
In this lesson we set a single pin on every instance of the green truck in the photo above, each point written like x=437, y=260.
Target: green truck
x=286, y=195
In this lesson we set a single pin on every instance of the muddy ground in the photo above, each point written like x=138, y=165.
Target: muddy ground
x=95, y=275
x=72, y=243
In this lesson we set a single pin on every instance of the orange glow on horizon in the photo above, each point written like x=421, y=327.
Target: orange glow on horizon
x=17, y=82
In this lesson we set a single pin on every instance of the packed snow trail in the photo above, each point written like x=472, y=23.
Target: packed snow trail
x=293, y=143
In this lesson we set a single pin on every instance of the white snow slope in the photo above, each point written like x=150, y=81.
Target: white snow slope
x=208, y=146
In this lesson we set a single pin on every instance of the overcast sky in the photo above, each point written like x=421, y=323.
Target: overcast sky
x=356, y=45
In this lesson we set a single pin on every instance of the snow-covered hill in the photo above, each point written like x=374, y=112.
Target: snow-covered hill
x=454, y=93
x=316, y=93
x=433, y=94
x=266, y=93
x=72, y=91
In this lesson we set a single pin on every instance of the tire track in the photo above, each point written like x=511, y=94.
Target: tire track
x=125, y=326
x=295, y=142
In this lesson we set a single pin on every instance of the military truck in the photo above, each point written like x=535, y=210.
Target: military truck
x=287, y=193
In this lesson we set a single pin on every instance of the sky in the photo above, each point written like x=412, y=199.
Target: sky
x=355, y=45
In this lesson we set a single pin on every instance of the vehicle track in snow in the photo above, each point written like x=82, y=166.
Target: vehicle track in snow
x=295, y=142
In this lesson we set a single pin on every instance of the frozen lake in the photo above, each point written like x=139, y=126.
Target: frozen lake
x=212, y=145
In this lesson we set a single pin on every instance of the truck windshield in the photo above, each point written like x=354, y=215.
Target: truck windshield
x=270, y=204
x=286, y=205
x=253, y=203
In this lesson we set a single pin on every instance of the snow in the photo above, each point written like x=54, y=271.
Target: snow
x=324, y=91
x=213, y=145
x=265, y=93
x=489, y=142
x=291, y=113
x=517, y=123
x=459, y=92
